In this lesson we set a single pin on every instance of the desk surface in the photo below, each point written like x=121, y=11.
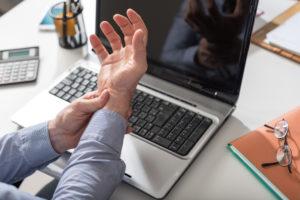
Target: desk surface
x=269, y=88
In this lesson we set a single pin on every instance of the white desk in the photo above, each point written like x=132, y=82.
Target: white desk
x=270, y=88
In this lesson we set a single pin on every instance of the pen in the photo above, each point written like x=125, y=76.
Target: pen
x=64, y=23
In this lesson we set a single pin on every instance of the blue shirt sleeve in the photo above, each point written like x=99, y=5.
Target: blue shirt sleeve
x=95, y=168
x=10, y=192
x=23, y=152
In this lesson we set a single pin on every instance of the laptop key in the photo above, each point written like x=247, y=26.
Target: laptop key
x=179, y=140
x=200, y=130
x=149, y=135
x=150, y=118
x=78, y=94
x=67, y=81
x=72, y=91
x=133, y=119
x=155, y=129
x=136, y=128
x=72, y=99
x=163, y=132
x=138, y=105
x=168, y=126
x=185, y=148
x=66, y=97
x=75, y=85
x=161, y=118
x=66, y=88
x=146, y=108
x=60, y=94
x=143, y=132
x=153, y=111
x=161, y=141
x=72, y=77
x=141, y=122
x=174, y=146
x=60, y=86
x=142, y=115
x=54, y=91
x=185, y=134
x=148, y=126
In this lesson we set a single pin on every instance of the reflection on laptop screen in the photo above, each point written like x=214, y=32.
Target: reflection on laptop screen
x=198, y=44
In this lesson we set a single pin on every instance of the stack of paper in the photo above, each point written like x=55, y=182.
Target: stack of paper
x=287, y=35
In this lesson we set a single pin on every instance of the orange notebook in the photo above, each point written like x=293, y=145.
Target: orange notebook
x=261, y=145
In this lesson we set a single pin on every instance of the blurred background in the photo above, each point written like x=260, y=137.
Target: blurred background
x=6, y=5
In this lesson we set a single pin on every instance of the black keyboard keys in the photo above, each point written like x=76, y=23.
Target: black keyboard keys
x=75, y=85
x=198, y=132
x=161, y=141
x=154, y=119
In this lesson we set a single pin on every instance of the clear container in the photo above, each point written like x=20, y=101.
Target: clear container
x=69, y=24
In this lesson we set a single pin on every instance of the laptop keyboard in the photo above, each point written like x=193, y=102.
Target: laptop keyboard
x=154, y=119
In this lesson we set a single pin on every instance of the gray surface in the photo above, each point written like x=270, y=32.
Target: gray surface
x=270, y=87
x=6, y=5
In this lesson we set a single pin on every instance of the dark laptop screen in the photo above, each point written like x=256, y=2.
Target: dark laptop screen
x=198, y=44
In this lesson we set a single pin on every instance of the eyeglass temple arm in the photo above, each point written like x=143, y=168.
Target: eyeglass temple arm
x=270, y=164
x=268, y=126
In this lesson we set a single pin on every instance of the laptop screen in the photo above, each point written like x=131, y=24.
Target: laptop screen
x=198, y=44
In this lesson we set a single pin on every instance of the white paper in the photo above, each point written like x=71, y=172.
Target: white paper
x=287, y=35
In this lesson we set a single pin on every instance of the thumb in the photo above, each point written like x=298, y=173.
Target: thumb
x=92, y=105
x=139, y=46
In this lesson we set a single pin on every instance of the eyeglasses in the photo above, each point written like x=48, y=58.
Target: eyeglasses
x=284, y=152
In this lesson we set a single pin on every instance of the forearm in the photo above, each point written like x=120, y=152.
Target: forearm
x=24, y=151
x=95, y=167
x=11, y=192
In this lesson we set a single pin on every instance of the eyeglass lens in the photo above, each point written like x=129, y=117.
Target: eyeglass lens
x=284, y=155
x=281, y=128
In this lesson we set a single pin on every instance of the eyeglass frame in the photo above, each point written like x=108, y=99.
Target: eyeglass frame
x=284, y=144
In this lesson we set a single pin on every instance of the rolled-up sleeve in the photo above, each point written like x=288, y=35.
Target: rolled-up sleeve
x=24, y=151
x=95, y=168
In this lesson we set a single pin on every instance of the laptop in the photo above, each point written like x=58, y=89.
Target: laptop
x=191, y=86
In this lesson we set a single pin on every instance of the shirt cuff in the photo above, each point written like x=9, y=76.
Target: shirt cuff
x=107, y=127
x=37, y=145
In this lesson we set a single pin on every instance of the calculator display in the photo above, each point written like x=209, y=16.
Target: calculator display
x=17, y=54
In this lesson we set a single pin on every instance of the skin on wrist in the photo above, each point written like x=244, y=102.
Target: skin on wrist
x=55, y=137
x=119, y=102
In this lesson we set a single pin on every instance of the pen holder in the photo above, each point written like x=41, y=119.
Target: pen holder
x=69, y=24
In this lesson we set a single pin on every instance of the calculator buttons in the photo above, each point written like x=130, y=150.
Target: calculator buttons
x=18, y=71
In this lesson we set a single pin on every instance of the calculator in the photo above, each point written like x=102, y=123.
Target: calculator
x=19, y=65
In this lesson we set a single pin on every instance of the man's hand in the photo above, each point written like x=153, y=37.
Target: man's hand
x=66, y=129
x=216, y=26
x=219, y=30
x=123, y=68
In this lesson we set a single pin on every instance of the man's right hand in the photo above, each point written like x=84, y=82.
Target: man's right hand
x=123, y=68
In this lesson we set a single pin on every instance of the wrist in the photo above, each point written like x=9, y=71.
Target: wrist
x=55, y=137
x=119, y=102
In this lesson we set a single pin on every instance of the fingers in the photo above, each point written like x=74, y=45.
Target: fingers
x=129, y=129
x=90, y=105
x=139, y=48
x=91, y=95
x=111, y=35
x=238, y=10
x=195, y=15
x=138, y=23
x=126, y=28
x=98, y=47
x=213, y=9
